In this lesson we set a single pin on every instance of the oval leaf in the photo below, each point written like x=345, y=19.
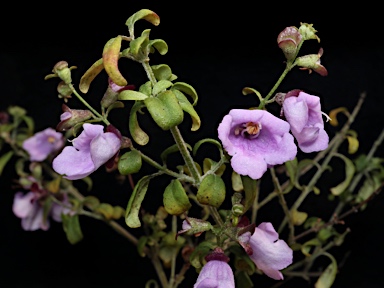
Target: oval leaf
x=175, y=198
x=327, y=278
x=71, y=227
x=161, y=86
x=131, y=95
x=160, y=46
x=162, y=72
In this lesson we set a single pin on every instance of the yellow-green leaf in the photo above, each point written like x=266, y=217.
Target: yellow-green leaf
x=90, y=74
x=145, y=14
x=353, y=144
x=4, y=160
x=131, y=95
x=328, y=276
x=111, y=54
x=349, y=172
x=137, y=133
x=188, y=107
x=187, y=89
x=333, y=115
x=298, y=217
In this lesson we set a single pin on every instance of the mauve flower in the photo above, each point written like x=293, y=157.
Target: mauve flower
x=91, y=149
x=43, y=143
x=216, y=273
x=256, y=140
x=304, y=115
x=269, y=253
x=31, y=211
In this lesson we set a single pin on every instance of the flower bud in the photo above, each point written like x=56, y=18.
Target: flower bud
x=288, y=41
x=312, y=62
x=63, y=72
x=110, y=96
x=211, y=191
x=71, y=117
x=308, y=32
x=194, y=226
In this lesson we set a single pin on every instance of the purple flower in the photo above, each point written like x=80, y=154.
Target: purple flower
x=216, y=273
x=31, y=211
x=304, y=115
x=256, y=140
x=91, y=149
x=43, y=143
x=269, y=253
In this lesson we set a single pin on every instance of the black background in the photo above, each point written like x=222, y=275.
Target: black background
x=218, y=50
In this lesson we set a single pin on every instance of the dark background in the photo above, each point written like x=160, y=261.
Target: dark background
x=218, y=50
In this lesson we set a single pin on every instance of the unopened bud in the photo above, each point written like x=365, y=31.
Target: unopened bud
x=288, y=41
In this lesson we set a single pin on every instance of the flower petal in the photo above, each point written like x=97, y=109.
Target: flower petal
x=23, y=204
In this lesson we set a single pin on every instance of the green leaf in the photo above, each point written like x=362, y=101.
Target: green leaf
x=175, y=199
x=161, y=86
x=208, y=164
x=30, y=124
x=237, y=184
x=129, y=163
x=249, y=90
x=251, y=189
x=141, y=244
x=106, y=210
x=4, y=160
x=165, y=110
x=327, y=278
x=91, y=202
x=188, y=107
x=371, y=183
x=211, y=191
x=353, y=144
x=134, y=203
x=243, y=280
x=307, y=246
x=138, y=135
x=131, y=95
x=197, y=256
x=71, y=226
x=172, y=149
x=146, y=88
x=145, y=14
x=140, y=43
x=291, y=167
x=349, y=172
x=187, y=89
x=160, y=46
x=162, y=72
x=298, y=217
x=207, y=140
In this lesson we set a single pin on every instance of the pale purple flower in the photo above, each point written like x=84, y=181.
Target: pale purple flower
x=30, y=210
x=270, y=254
x=91, y=149
x=216, y=273
x=42, y=144
x=304, y=115
x=256, y=140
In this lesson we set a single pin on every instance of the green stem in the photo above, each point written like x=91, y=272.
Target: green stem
x=284, y=205
x=255, y=204
x=186, y=155
x=88, y=106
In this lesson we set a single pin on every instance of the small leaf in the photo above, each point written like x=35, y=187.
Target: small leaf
x=118, y=212
x=146, y=88
x=134, y=203
x=291, y=167
x=131, y=95
x=172, y=149
x=161, y=86
x=145, y=14
x=140, y=44
x=207, y=140
x=175, y=198
x=71, y=227
x=197, y=256
x=298, y=217
x=111, y=54
x=160, y=46
x=307, y=246
x=30, y=124
x=129, y=163
x=90, y=74
x=188, y=107
x=327, y=278
x=211, y=191
x=249, y=90
x=187, y=89
x=91, y=202
x=137, y=133
x=333, y=115
x=237, y=184
x=353, y=144
x=349, y=172
x=141, y=244
x=4, y=160
x=106, y=210
x=251, y=189
x=162, y=72
x=208, y=164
